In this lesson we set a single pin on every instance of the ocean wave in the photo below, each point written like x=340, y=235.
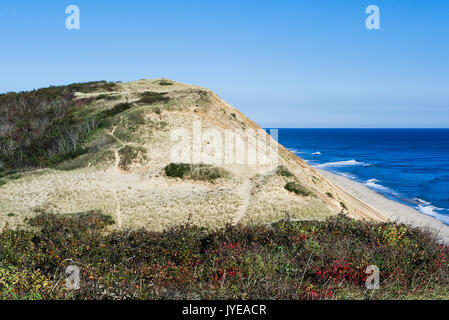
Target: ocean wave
x=421, y=201
x=342, y=164
x=346, y=175
x=432, y=211
x=427, y=208
x=373, y=184
x=316, y=153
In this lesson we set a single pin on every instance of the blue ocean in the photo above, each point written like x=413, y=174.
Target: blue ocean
x=406, y=165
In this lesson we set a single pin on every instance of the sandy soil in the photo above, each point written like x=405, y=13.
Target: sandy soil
x=392, y=210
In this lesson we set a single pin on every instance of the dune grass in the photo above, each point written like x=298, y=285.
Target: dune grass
x=130, y=155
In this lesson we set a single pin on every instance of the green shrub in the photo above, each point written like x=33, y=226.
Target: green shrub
x=105, y=96
x=297, y=188
x=88, y=87
x=283, y=171
x=152, y=98
x=194, y=171
x=177, y=170
x=165, y=83
x=118, y=108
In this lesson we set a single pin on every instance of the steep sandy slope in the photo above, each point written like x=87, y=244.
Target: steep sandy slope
x=124, y=175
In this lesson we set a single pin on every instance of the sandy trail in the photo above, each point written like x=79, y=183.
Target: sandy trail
x=247, y=190
x=117, y=173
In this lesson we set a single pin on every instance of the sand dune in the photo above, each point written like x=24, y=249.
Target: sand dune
x=139, y=194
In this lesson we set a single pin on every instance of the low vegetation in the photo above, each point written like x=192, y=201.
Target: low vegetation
x=130, y=155
x=287, y=260
x=52, y=127
x=164, y=82
x=118, y=108
x=105, y=96
x=283, y=171
x=202, y=172
x=153, y=98
x=43, y=127
x=297, y=188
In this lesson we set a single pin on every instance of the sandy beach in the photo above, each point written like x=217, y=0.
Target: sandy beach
x=392, y=210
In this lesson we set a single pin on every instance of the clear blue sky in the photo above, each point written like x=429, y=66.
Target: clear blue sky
x=283, y=63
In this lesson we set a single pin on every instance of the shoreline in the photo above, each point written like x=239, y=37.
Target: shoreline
x=390, y=209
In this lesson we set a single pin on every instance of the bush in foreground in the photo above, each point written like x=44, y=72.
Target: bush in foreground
x=287, y=260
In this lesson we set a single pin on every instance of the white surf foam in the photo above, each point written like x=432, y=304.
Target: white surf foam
x=342, y=164
x=433, y=212
x=346, y=175
x=373, y=184
x=421, y=201
x=316, y=153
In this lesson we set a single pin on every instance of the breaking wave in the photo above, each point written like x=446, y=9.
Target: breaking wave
x=341, y=164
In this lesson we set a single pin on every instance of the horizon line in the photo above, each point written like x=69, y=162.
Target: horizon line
x=355, y=128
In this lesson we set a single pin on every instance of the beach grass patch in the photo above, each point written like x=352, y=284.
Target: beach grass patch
x=130, y=155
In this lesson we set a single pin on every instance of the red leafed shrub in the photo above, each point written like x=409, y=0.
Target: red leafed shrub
x=315, y=293
x=227, y=273
x=300, y=238
x=341, y=271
